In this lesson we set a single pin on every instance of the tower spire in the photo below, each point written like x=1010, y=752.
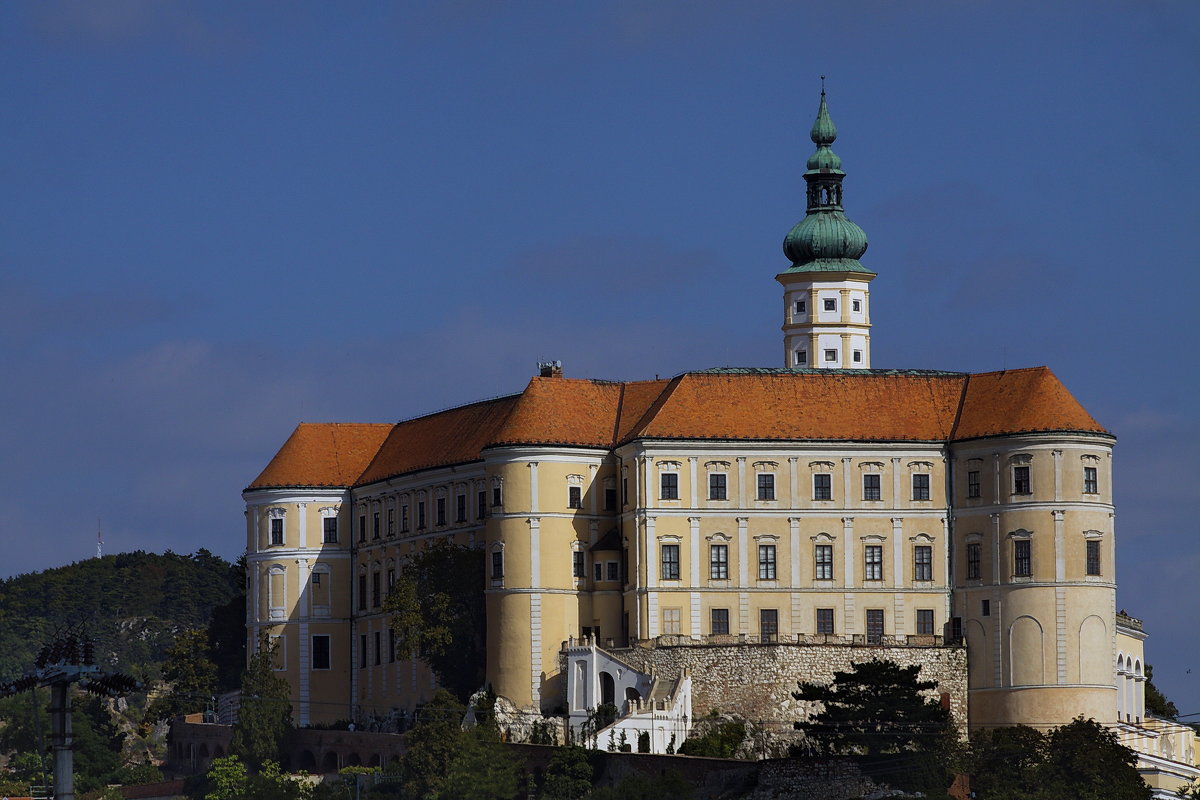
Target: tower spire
x=824, y=249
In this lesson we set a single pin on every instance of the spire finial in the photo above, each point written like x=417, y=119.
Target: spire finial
x=822, y=85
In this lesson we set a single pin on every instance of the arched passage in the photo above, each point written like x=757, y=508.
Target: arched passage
x=330, y=763
x=308, y=762
x=608, y=689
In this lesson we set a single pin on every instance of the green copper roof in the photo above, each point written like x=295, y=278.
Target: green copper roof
x=825, y=241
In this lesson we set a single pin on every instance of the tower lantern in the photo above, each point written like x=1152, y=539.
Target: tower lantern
x=826, y=315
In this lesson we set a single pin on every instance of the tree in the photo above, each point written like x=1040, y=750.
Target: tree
x=568, y=775
x=438, y=612
x=265, y=715
x=193, y=678
x=228, y=779
x=715, y=737
x=482, y=769
x=1082, y=760
x=876, y=708
x=432, y=744
x=877, y=712
x=1157, y=702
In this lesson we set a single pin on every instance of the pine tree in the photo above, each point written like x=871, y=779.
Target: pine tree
x=193, y=678
x=265, y=715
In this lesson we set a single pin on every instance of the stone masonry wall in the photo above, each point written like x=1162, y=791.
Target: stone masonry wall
x=756, y=681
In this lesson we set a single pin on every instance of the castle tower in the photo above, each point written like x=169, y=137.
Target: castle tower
x=826, y=317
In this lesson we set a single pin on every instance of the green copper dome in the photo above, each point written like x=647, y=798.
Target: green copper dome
x=825, y=241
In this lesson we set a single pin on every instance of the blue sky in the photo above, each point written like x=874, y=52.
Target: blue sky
x=220, y=219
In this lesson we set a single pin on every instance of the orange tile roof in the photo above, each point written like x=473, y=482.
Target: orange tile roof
x=455, y=436
x=752, y=405
x=1020, y=401
x=784, y=404
x=323, y=454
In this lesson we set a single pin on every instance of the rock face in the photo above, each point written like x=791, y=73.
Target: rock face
x=756, y=681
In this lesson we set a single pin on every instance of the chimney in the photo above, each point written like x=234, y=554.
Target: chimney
x=550, y=369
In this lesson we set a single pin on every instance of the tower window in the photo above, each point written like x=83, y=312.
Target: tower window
x=973, y=483
x=830, y=304
x=1022, y=560
x=858, y=356
x=799, y=307
x=1021, y=483
x=831, y=355
x=801, y=357
x=277, y=531
x=1089, y=480
x=1093, y=557
x=856, y=305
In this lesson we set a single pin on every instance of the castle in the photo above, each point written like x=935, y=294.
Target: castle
x=821, y=504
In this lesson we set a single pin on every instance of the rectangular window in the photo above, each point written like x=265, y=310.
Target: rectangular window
x=973, y=483
x=873, y=564
x=597, y=572
x=920, y=487
x=670, y=562
x=831, y=355
x=497, y=496
x=830, y=304
x=420, y=515
x=378, y=648
x=391, y=529
x=497, y=564
x=610, y=499
x=718, y=562
x=441, y=511
x=923, y=563
x=825, y=620
x=330, y=528
x=766, y=486
x=375, y=590
x=824, y=563
x=822, y=486
x=1022, y=561
x=375, y=525
x=277, y=531
x=574, y=497
x=362, y=592
x=925, y=621
x=320, y=652
x=1021, y=480
x=856, y=356
x=577, y=566
x=974, y=552
x=1089, y=480
x=481, y=505
x=799, y=307
x=391, y=646
x=614, y=571
x=316, y=580
x=768, y=624
x=985, y=608
x=625, y=490
x=871, y=490
x=460, y=508
x=1093, y=557
x=391, y=578
x=362, y=527
x=874, y=626
x=404, y=518
x=670, y=486
x=670, y=618
x=717, y=489
x=718, y=621
x=801, y=357
x=856, y=305
x=362, y=651
x=766, y=562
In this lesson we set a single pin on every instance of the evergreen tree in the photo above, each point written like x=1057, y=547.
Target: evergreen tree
x=1157, y=702
x=1004, y=762
x=568, y=775
x=481, y=769
x=432, y=745
x=191, y=675
x=437, y=610
x=265, y=715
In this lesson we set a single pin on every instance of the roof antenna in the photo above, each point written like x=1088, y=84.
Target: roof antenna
x=99, y=539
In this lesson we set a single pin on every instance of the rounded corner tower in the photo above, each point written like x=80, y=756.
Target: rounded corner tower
x=826, y=313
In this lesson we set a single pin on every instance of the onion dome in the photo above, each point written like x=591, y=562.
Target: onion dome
x=825, y=241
